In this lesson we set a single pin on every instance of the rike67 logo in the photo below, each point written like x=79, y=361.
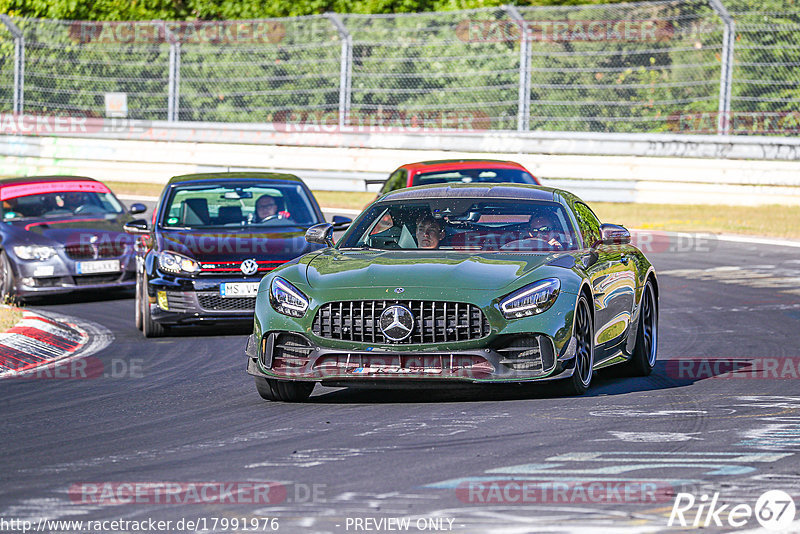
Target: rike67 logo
x=774, y=510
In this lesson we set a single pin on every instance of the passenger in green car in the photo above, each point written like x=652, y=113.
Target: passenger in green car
x=542, y=227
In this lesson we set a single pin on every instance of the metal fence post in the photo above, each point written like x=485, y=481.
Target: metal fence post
x=726, y=73
x=173, y=87
x=525, y=49
x=19, y=63
x=345, y=69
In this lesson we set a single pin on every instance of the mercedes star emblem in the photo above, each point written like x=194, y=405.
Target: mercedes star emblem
x=396, y=323
x=249, y=267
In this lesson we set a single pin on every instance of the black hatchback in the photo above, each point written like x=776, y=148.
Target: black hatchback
x=211, y=240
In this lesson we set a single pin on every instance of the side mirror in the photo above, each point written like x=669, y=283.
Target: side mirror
x=612, y=234
x=137, y=227
x=320, y=234
x=340, y=222
x=137, y=208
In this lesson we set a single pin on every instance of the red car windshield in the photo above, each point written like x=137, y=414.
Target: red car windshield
x=467, y=176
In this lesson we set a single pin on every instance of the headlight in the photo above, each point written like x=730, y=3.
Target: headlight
x=286, y=298
x=34, y=252
x=531, y=299
x=176, y=263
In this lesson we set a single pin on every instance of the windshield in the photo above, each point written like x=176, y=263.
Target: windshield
x=240, y=205
x=466, y=176
x=61, y=204
x=463, y=225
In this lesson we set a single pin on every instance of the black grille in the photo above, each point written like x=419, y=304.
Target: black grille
x=526, y=353
x=81, y=251
x=214, y=302
x=290, y=350
x=434, y=322
x=91, y=279
x=179, y=301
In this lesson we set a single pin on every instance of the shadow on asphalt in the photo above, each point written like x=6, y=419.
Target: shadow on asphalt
x=79, y=297
x=604, y=383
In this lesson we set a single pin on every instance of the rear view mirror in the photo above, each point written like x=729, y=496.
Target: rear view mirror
x=341, y=223
x=137, y=227
x=320, y=234
x=137, y=208
x=612, y=234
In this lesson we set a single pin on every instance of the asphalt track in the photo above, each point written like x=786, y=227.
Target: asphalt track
x=181, y=409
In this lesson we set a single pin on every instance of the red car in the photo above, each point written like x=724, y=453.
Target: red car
x=458, y=171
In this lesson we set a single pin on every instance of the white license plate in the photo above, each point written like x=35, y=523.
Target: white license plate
x=238, y=289
x=94, y=267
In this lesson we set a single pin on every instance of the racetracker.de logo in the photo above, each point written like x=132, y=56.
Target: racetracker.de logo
x=567, y=492
x=117, y=493
x=559, y=31
x=72, y=124
x=394, y=121
x=88, y=368
x=750, y=122
x=745, y=368
x=191, y=32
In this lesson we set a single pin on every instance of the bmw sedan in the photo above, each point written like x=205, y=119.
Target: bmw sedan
x=62, y=234
x=481, y=283
x=211, y=240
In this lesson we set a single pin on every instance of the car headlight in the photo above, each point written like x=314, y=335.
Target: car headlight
x=177, y=263
x=34, y=252
x=287, y=299
x=531, y=299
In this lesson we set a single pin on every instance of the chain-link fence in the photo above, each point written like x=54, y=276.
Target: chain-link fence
x=691, y=66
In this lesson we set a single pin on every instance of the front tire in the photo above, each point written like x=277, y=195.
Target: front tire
x=137, y=314
x=283, y=390
x=8, y=293
x=646, y=348
x=581, y=378
x=150, y=327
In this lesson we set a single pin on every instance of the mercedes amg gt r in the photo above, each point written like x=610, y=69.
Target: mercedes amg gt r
x=481, y=283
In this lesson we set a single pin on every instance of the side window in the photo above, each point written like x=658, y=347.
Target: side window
x=396, y=180
x=588, y=223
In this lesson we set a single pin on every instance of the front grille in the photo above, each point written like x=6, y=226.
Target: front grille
x=388, y=365
x=434, y=322
x=179, y=301
x=234, y=267
x=290, y=351
x=91, y=279
x=526, y=353
x=214, y=302
x=82, y=251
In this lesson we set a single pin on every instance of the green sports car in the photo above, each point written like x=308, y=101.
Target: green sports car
x=483, y=283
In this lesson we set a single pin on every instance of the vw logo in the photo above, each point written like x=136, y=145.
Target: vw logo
x=396, y=323
x=249, y=267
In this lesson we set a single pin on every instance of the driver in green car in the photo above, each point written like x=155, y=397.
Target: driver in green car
x=429, y=232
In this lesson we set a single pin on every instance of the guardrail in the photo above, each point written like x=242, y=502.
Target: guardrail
x=602, y=167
